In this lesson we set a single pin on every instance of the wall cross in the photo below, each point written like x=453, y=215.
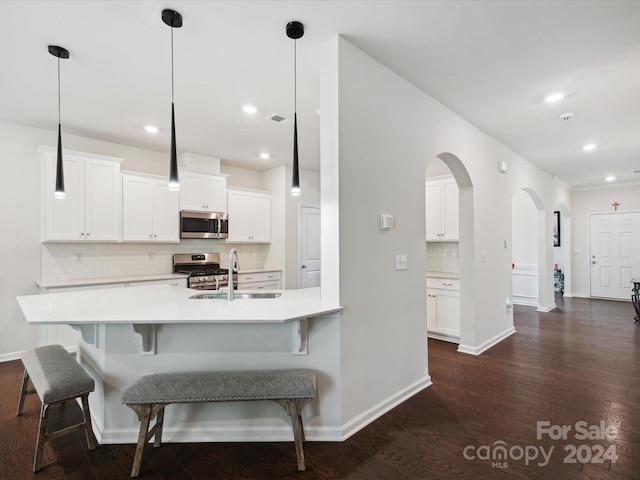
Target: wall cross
x=615, y=206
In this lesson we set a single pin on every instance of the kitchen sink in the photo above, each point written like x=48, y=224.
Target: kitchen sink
x=236, y=295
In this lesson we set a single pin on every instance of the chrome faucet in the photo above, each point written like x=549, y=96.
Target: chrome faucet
x=234, y=266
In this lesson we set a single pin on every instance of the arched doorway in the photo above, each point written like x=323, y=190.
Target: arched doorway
x=458, y=248
x=532, y=273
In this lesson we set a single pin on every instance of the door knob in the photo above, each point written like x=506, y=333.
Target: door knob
x=303, y=266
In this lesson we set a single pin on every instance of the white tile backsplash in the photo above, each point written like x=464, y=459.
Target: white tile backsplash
x=443, y=257
x=77, y=261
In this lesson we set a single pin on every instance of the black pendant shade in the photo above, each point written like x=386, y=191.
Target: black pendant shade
x=59, y=52
x=59, y=192
x=174, y=20
x=295, y=30
x=174, y=183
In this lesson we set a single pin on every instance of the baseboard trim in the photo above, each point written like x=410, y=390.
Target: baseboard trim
x=488, y=344
x=187, y=432
x=197, y=433
x=547, y=309
x=444, y=337
x=523, y=300
x=357, y=423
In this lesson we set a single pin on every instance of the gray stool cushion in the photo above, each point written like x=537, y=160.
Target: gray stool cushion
x=55, y=374
x=166, y=388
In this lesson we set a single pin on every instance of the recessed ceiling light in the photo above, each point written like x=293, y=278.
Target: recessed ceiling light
x=554, y=97
x=249, y=109
x=566, y=116
x=591, y=146
x=151, y=129
x=610, y=178
x=265, y=156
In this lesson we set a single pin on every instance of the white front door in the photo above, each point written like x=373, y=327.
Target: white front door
x=615, y=253
x=309, y=247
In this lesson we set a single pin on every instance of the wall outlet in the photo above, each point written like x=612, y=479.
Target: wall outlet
x=401, y=262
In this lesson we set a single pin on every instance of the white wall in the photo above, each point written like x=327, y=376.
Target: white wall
x=584, y=202
x=379, y=134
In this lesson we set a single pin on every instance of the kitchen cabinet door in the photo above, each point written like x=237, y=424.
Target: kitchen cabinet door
x=150, y=210
x=203, y=192
x=91, y=209
x=261, y=218
x=450, y=219
x=166, y=213
x=249, y=216
x=442, y=210
x=443, y=308
x=137, y=209
x=103, y=203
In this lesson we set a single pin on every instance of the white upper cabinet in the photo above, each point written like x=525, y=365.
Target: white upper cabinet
x=150, y=210
x=442, y=210
x=249, y=216
x=203, y=192
x=92, y=207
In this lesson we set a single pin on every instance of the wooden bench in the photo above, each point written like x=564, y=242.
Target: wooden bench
x=150, y=394
x=56, y=377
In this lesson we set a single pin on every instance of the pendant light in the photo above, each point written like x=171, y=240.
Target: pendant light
x=59, y=52
x=295, y=30
x=174, y=20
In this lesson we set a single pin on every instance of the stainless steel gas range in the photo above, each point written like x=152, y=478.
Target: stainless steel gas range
x=204, y=271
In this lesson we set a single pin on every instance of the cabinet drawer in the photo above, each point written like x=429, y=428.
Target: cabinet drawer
x=443, y=283
x=258, y=277
x=275, y=285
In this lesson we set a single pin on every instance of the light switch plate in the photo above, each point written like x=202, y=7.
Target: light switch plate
x=401, y=262
x=386, y=222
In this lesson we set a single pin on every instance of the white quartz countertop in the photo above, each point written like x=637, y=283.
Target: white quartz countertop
x=108, y=280
x=258, y=270
x=443, y=275
x=157, y=304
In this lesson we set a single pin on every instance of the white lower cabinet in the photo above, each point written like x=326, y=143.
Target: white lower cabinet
x=259, y=281
x=443, y=309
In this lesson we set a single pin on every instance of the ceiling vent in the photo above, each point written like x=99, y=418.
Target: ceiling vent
x=274, y=117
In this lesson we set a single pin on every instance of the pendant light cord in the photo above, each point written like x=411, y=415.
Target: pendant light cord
x=59, y=101
x=172, y=64
x=295, y=77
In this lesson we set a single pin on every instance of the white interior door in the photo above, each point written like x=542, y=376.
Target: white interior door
x=615, y=253
x=309, y=247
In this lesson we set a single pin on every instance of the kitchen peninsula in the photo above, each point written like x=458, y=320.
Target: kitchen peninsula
x=127, y=333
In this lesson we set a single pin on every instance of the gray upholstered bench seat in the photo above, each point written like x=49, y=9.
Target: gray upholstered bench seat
x=150, y=394
x=56, y=377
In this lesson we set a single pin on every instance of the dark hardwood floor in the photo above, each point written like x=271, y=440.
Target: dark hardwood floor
x=579, y=363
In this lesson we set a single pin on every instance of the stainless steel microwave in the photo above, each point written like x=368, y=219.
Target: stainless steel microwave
x=203, y=224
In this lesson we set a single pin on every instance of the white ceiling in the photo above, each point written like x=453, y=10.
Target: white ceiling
x=492, y=62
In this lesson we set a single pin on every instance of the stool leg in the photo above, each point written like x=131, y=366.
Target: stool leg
x=159, y=424
x=294, y=407
x=23, y=391
x=42, y=435
x=142, y=438
x=298, y=433
x=91, y=438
